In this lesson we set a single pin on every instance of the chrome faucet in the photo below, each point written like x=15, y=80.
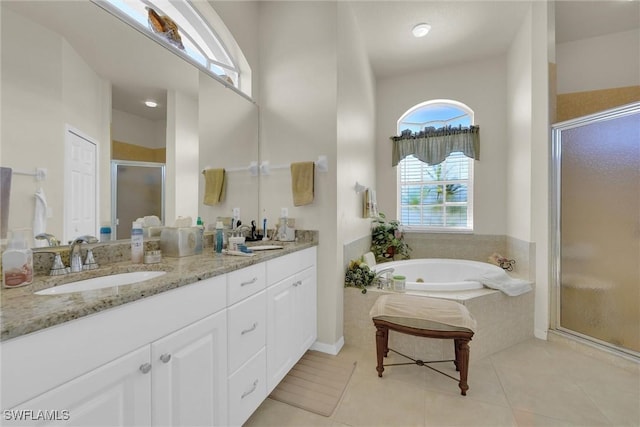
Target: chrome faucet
x=75, y=258
x=50, y=238
x=383, y=282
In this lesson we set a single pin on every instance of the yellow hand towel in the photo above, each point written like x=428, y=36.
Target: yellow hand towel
x=214, y=186
x=302, y=176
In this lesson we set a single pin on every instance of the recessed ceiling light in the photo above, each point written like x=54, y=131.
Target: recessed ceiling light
x=150, y=103
x=421, y=30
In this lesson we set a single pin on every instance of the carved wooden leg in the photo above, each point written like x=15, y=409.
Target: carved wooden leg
x=455, y=346
x=386, y=341
x=381, y=338
x=462, y=347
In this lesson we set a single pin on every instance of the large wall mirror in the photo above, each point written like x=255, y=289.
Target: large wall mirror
x=74, y=82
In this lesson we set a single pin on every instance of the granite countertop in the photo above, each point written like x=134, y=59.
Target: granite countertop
x=23, y=312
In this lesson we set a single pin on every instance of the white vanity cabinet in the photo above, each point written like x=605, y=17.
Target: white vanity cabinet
x=291, y=312
x=115, y=394
x=203, y=354
x=161, y=360
x=247, y=318
x=189, y=375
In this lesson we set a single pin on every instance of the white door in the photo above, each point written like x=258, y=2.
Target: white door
x=116, y=394
x=81, y=186
x=190, y=375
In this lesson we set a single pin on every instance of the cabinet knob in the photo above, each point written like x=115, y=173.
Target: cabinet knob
x=165, y=357
x=145, y=368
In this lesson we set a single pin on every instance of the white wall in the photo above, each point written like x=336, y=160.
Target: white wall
x=132, y=129
x=355, y=143
x=528, y=150
x=519, y=122
x=45, y=85
x=182, y=175
x=298, y=99
x=480, y=85
x=603, y=62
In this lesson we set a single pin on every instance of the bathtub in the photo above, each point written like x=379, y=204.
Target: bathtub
x=433, y=274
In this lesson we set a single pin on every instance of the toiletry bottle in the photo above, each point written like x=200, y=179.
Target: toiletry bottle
x=137, y=243
x=219, y=237
x=17, y=260
x=105, y=233
x=200, y=236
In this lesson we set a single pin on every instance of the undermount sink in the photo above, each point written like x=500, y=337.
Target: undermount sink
x=102, y=282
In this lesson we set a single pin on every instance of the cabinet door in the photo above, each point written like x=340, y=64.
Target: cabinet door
x=190, y=375
x=306, y=310
x=115, y=394
x=281, y=331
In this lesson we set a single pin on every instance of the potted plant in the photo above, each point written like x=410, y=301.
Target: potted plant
x=387, y=240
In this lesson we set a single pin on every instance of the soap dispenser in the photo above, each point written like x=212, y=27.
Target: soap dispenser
x=219, y=237
x=17, y=260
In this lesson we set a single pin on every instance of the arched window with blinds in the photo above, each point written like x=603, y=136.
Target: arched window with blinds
x=434, y=152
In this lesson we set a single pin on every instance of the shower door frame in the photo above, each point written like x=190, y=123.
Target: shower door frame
x=555, y=220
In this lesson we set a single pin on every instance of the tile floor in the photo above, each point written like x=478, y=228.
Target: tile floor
x=535, y=383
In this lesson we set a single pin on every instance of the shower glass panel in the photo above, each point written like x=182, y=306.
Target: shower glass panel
x=137, y=191
x=597, y=214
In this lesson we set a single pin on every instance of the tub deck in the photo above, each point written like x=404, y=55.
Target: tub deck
x=503, y=321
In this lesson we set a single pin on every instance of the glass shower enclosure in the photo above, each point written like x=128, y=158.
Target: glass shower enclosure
x=137, y=190
x=596, y=214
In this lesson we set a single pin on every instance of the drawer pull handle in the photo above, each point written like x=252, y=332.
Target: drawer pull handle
x=145, y=368
x=247, y=393
x=252, y=328
x=298, y=283
x=165, y=357
x=249, y=282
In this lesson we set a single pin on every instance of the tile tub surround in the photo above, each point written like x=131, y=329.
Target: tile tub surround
x=503, y=321
x=23, y=312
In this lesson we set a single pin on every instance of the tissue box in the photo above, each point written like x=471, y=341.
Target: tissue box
x=152, y=231
x=180, y=241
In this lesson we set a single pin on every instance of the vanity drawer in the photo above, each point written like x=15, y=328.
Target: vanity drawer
x=247, y=331
x=245, y=282
x=285, y=266
x=247, y=389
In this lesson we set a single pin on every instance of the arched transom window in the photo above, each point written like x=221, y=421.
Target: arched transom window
x=179, y=24
x=436, y=196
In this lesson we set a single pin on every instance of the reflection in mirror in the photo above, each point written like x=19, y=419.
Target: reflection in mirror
x=227, y=140
x=72, y=65
x=137, y=191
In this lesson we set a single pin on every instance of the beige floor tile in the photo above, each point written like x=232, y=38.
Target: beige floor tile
x=381, y=402
x=449, y=410
x=535, y=383
x=554, y=396
x=528, y=419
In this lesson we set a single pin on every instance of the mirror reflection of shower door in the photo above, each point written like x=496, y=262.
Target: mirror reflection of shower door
x=597, y=174
x=137, y=190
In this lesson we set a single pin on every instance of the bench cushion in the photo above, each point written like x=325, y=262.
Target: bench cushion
x=423, y=313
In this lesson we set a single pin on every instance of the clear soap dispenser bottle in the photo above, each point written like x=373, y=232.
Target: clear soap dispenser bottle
x=219, y=237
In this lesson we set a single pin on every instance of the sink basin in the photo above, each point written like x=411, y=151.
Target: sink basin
x=101, y=282
x=264, y=247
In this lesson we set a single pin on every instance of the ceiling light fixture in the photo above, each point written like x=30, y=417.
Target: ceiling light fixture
x=150, y=103
x=421, y=30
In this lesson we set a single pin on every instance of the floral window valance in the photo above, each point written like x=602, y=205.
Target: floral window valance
x=433, y=145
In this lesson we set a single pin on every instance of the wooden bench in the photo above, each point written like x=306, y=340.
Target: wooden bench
x=428, y=318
